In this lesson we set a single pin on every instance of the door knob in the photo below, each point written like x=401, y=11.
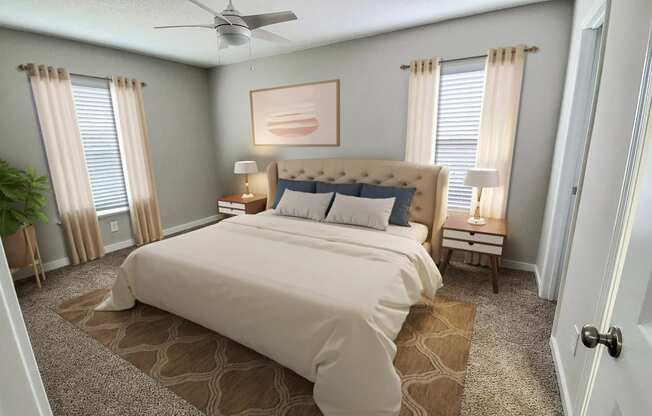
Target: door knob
x=613, y=339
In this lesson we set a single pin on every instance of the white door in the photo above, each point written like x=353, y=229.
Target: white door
x=622, y=385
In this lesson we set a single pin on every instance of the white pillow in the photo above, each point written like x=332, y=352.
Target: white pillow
x=303, y=204
x=366, y=212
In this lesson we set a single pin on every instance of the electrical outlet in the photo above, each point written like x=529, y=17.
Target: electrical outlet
x=114, y=226
x=576, y=340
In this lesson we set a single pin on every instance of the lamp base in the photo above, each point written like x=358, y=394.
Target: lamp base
x=247, y=196
x=476, y=221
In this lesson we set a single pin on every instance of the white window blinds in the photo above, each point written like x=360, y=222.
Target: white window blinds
x=100, y=140
x=458, y=130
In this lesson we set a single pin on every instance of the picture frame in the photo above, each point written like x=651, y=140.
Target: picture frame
x=305, y=114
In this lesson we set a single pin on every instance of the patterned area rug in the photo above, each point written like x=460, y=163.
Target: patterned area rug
x=223, y=378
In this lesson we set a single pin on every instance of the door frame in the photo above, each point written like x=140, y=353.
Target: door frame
x=599, y=17
x=620, y=233
x=554, y=286
x=553, y=271
x=23, y=394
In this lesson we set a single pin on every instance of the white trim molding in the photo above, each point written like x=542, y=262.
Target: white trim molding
x=109, y=248
x=596, y=16
x=566, y=402
x=192, y=224
x=23, y=393
x=518, y=265
x=526, y=267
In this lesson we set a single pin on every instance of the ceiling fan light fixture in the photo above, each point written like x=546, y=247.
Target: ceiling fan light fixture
x=235, y=39
x=234, y=35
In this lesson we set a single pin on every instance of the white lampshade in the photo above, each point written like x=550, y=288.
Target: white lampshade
x=245, y=166
x=481, y=178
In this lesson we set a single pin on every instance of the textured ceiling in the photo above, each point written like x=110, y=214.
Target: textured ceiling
x=127, y=24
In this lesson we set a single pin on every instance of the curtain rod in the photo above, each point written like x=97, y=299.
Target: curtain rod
x=25, y=67
x=532, y=49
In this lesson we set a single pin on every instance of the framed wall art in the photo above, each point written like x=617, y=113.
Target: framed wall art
x=297, y=115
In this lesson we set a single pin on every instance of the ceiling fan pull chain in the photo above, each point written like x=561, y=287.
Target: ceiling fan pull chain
x=219, y=44
x=251, y=67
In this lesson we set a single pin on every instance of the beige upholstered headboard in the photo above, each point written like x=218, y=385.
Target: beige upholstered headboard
x=430, y=202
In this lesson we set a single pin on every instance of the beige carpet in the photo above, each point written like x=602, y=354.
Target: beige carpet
x=223, y=378
x=509, y=371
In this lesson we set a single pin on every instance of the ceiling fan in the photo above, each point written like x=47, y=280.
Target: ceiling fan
x=235, y=29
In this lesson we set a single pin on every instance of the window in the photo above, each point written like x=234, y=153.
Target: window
x=458, y=128
x=100, y=140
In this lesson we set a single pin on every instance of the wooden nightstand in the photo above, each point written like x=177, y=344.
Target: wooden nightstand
x=237, y=205
x=485, y=239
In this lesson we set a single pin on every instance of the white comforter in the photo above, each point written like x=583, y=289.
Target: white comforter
x=322, y=300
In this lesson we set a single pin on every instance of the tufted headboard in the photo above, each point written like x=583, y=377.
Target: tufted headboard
x=430, y=203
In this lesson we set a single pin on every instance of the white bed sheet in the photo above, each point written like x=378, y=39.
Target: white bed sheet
x=324, y=301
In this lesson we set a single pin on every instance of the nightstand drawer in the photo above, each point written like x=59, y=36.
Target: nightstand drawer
x=226, y=204
x=474, y=236
x=230, y=211
x=471, y=246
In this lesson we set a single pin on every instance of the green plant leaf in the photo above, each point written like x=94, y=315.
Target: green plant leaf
x=23, y=195
x=8, y=224
x=41, y=217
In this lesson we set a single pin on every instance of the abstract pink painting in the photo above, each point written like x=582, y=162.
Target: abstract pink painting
x=297, y=115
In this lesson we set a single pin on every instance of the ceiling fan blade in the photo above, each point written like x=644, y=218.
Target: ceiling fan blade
x=259, y=20
x=211, y=11
x=209, y=26
x=268, y=36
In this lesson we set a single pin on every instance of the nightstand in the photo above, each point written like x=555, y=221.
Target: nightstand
x=237, y=205
x=484, y=239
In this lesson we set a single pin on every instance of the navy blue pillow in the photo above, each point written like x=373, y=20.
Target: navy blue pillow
x=300, y=186
x=352, y=189
x=401, y=211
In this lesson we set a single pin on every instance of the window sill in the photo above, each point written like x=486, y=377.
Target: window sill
x=458, y=210
x=112, y=211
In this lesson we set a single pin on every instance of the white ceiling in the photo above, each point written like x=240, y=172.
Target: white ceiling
x=127, y=24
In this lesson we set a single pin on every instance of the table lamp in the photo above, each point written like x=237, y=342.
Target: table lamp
x=480, y=178
x=245, y=167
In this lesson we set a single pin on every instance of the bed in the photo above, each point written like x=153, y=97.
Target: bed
x=325, y=300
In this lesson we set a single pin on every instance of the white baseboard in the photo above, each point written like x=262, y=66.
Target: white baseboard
x=109, y=248
x=566, y=402
x=537, y=275
x=518, y=265
x=189, y=225
x=527, y=267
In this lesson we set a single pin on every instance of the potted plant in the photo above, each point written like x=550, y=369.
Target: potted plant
x=22, y=199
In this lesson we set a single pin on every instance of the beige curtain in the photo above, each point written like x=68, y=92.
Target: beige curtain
x=423, y=100
x=54, y=103
x=127, y=96
x=499, y=119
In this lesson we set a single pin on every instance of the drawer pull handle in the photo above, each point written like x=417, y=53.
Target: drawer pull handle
x=470, y=243
x=471, y=233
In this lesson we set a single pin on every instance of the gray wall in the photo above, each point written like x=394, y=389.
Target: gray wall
x=177, y=105
x=374, y=100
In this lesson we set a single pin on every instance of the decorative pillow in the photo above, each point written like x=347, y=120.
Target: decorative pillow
x=401, y=211
x=301, y=186
x=352, y=189
x=304, y=204
x=365, y=212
